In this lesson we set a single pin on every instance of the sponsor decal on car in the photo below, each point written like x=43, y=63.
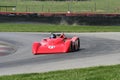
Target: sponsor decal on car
x=51, y=47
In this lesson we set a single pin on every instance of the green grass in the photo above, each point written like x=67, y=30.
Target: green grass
x=92, y=73
x=36, y=27
x=102, y=6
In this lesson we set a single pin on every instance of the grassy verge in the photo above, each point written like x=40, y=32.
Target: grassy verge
x=93, y=73
x=104, y=6
x=10, y=27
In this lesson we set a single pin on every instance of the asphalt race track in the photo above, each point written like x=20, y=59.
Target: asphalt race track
x=96, y=49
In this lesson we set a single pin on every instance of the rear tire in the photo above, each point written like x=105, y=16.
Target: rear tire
x=77, y=44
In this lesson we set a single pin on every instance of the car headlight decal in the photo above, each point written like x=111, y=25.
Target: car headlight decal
x=51, y=47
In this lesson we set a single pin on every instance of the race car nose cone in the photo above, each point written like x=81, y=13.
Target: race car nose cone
x=6, y=49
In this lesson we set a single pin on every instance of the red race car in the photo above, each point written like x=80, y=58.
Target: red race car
x=56, y=43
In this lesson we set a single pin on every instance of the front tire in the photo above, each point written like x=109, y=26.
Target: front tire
x=71, y=47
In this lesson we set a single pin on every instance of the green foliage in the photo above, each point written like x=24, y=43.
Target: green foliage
x=100, y=6
x=92, y=73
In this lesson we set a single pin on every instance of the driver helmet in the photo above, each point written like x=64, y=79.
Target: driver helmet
x=52, y=36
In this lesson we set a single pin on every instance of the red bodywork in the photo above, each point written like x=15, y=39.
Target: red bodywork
x=61, y=44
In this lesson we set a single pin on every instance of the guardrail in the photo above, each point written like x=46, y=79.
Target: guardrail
x=57, y=18
x=58, y=14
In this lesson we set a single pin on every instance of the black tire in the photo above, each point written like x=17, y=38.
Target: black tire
x=71, y=47
x=77, y=44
